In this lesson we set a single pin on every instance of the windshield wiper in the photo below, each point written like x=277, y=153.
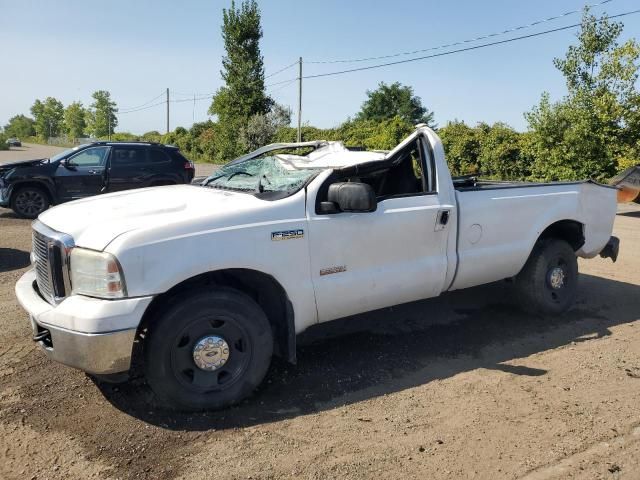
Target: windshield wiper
x=230, y=176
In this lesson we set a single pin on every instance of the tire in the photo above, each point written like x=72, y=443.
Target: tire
x=548, y=282
x=29, y=202
x=190, y=331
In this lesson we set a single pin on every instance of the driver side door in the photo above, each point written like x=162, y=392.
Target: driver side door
x=82, y=174
x=397, y=254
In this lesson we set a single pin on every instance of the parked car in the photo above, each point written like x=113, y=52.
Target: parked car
x=30, y=187
x=14, y=142
x=203, y=283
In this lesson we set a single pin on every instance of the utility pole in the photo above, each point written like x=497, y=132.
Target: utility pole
x=194, y=109
x=167, y=110
x=109, y=115
x=300, y=100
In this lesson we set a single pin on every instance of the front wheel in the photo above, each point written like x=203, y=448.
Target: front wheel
x=547, y=283
x=29, y=202
x=209, y=351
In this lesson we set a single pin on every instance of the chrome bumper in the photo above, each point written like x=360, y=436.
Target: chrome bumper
x=105, y=348
x=98, y=353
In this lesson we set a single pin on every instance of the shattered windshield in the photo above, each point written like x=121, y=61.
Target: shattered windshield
x=265, y=174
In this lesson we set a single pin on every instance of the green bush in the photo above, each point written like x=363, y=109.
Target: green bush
x=3, y=142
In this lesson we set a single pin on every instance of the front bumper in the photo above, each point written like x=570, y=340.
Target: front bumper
x=5, y=195
x=90, y=334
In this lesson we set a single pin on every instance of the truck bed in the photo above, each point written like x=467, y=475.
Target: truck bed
x=498, y=222
x=470, y=183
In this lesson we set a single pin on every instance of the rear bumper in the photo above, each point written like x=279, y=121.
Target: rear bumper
x=611, y=249
x=93, y=349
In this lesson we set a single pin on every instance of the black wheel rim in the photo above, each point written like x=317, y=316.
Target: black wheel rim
x=182, y=354
x=557, y=280
x=30, y=203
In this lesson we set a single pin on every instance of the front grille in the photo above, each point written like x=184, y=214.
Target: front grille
x=42, y=265
x=51, y=260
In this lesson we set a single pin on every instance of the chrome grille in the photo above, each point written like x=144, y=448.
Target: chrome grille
x=44, y=277
x=50, y=256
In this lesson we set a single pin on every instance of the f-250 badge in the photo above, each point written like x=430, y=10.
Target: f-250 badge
x=287, y=235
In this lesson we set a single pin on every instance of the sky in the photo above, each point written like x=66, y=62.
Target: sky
x=136, y=49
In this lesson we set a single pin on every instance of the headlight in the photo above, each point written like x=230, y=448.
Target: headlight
x=96, y=274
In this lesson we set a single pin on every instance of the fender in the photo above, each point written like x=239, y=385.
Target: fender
x=42, y=182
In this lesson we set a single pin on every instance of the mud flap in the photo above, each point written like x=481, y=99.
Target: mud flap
x=611, y=249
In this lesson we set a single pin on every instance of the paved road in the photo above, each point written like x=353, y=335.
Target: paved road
x=30, y=151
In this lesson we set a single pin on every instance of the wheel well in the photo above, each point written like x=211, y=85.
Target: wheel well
x=263, y=288
x=41, y=186
x=569, y=230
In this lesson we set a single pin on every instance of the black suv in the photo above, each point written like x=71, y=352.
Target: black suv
x=30, y=187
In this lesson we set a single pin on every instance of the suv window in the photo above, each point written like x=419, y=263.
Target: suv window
x=128, y=156
x=158, y=156
x=90, y=157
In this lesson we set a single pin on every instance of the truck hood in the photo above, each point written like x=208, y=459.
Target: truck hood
x=96, y=221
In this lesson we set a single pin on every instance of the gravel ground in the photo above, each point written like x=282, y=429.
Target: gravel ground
x=462, y=386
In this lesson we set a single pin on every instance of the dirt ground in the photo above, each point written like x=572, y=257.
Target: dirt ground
x=463, y=386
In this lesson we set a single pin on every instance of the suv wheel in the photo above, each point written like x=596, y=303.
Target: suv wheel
x=209, y=351
x=29, y=202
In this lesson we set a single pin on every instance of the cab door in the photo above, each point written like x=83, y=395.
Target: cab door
x=397, y=254
x=83, y=174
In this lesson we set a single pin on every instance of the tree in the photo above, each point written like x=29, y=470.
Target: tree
x=49, y=117
x=20, y=126
x=389, y=101
x=75, y=120
x=501, y=153
x=261, y=129
x=590, y=132
x=462, y=147
x=101, y=118
x=243, y=95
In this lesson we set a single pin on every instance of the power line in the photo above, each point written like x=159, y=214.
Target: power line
x=285, y=85
x=142, y=105
x=205, y=96
x=459, y=50
x=471, y=40
x=288, y=67
x=143, y=108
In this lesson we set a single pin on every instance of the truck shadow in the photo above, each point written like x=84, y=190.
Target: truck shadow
x=13, y=259
x=393, y=349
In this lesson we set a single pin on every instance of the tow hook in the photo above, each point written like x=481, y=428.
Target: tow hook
x=41, y=335
x=610, y=250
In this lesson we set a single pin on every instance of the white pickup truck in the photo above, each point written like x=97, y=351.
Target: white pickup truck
x=202, y=284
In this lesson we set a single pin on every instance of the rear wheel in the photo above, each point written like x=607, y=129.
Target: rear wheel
x=209, y=351
x=547, y=284
x=29, y=202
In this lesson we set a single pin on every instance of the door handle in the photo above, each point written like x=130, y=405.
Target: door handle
x=93, y=172
x=442, y=219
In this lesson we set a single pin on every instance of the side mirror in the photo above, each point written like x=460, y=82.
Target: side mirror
x=352, y=197
x=68, y=164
